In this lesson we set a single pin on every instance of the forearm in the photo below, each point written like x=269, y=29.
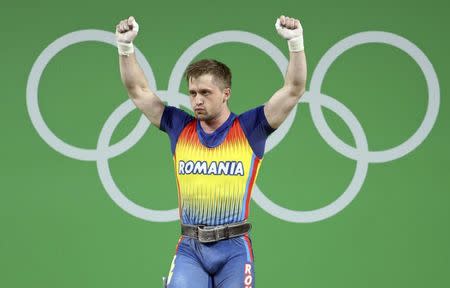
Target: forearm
x=295, y=78
x=131, y=73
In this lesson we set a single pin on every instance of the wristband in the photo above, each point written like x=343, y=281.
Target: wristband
x=296, y=44
x=125, y=49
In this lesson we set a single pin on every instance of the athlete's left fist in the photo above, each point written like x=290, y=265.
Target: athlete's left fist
x=288, y=28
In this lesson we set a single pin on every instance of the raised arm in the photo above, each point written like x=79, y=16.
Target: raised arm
x=285, y=99
x=132, y=75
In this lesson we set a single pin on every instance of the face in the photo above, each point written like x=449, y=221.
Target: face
x=208, y=99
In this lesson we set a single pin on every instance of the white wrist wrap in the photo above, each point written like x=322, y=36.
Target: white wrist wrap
x=296, y=44
x=125, y=48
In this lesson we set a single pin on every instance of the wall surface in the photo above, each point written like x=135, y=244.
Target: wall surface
x=354, y=188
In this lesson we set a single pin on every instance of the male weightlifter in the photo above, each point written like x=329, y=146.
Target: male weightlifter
x=217, y=155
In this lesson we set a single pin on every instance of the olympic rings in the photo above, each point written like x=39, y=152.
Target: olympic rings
x=314, y=97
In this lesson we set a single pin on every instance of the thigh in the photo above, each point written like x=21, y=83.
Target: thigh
x=238, y=271
x=186, y=271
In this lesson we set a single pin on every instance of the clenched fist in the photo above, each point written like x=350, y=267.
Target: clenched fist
x=288, y=28
x=127, y=30
x=291, y=30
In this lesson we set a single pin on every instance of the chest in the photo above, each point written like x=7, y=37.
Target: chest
x=232, y=157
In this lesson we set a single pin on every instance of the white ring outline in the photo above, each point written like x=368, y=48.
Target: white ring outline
x=33, y=104
x=433, y=95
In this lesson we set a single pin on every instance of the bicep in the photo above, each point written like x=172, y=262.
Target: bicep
x=280, y=105
x=150, y=104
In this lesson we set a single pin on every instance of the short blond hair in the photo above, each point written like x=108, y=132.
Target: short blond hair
x=220, y=71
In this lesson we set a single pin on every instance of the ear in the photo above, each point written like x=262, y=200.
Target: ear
x=226, y=94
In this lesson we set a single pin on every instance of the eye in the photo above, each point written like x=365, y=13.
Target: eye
x=192, y=93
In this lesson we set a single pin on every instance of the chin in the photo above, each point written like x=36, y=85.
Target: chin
x=202, y=117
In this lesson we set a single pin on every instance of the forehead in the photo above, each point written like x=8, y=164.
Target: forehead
x=203, y=81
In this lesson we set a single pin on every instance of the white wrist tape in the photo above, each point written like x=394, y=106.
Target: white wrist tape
x=296, y=44
x=125, y=48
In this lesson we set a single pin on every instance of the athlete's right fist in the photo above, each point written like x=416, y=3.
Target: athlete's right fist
x=127, y=30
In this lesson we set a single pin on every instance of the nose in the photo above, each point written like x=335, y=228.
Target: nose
x=198, y=101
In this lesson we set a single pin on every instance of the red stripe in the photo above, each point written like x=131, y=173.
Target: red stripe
x=250, y=186
x=178, y=186
x=249, y=246
x=178, y=244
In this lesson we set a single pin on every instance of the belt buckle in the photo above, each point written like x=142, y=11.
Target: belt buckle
x=204, y=234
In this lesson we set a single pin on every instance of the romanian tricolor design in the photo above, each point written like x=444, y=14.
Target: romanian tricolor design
x=214, y=184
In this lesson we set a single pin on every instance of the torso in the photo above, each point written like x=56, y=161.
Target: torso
x=215, y=182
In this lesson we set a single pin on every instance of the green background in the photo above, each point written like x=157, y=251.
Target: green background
x=59, y=228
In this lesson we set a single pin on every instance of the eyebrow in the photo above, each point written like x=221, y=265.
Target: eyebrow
x=200, y=90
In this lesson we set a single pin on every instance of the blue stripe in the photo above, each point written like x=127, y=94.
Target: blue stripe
x=246, y=187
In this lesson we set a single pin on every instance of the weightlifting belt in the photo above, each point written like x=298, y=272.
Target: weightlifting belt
x=208, y=234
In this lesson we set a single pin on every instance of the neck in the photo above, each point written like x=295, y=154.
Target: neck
x=209, y=126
